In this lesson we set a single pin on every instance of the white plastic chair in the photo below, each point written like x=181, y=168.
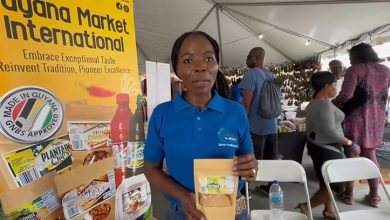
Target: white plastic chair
x=283, y=171
x=352, y=169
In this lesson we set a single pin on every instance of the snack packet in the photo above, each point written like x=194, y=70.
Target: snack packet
x=88, y=135
x=133, y=198
x=84, y=158
x=27, y=164
x=35, y=201
x=88, y=193
x=215, y=188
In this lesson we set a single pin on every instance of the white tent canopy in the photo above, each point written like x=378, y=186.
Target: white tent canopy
x=236, y=24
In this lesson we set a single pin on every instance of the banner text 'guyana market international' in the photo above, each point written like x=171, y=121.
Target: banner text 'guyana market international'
x=78, y=50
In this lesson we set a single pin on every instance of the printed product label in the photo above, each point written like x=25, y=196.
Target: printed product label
x=32, y=162
x=30, y=114
x=135, y=154
x=134, y=200
x=119, y=152
x=84, y=197
x=36, y=209
x=88, y=135
x=217, y=184
x=276, y=198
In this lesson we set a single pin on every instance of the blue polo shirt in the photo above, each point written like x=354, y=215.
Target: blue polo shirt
x=180, y=133
x=236, y=93
x=253, y=80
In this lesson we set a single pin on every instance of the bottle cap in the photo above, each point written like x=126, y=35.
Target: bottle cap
x=122, y=98
x=276, y=182
x=139, y=99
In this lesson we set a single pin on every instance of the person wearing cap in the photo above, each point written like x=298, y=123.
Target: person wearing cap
x=326, y=140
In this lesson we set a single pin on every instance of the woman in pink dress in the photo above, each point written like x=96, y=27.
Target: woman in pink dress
x=363, y=100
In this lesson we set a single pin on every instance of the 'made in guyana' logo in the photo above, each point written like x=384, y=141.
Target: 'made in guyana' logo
x=30, y=114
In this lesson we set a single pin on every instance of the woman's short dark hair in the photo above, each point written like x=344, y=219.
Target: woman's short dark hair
x=363, y=53
x=320, y=79
x=179, y=41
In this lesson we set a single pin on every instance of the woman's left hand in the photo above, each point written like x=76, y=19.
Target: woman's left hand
x=245, y=166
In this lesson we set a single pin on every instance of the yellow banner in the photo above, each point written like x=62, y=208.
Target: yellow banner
x=76, y=49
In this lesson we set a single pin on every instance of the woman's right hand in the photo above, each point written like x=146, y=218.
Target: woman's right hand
x=188, y=203
x=355, y=151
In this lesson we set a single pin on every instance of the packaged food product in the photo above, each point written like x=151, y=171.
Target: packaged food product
x=136, y=144
x=133, y=198
x=215, y=188
x=2, y=216
x=87, y=193
x=88, y=135
x=119, y=136
x=83, y=158
x=35, y=201
x=30, y=163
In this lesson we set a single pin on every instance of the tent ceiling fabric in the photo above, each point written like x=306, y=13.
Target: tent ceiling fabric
x=285, y=25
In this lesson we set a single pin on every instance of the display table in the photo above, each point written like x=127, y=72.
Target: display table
x=383, y=150
x=383, y=155
x=291, y=145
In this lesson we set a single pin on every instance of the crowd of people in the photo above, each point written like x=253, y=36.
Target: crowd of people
x=345, y=118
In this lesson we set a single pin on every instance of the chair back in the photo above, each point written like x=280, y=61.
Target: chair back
x=350, y=169
x=283, y=171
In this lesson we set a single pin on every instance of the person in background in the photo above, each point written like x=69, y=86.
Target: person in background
x=222, y=86
x=325, y=137
x=236, y=91
x=363, y=100
x=192, y=126
x=336, y=67
x=263, y=130
x=175, y=85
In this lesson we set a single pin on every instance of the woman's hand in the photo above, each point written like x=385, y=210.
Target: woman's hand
x=245, y=166
x=355, y=152
x=188, y=204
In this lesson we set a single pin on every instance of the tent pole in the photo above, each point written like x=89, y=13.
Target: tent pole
x=204, y=18
x=286, y=3
x=255, y=35
x=278, y=28
x=219, y=36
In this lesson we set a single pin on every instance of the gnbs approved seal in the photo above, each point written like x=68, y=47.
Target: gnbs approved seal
x=30, y=114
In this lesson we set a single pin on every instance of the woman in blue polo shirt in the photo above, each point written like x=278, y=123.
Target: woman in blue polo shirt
x=195, y=125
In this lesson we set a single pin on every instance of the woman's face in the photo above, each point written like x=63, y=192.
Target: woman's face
x=332, y=90
x=197, y=65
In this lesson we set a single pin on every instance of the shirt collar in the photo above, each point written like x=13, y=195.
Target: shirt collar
x=216, y=103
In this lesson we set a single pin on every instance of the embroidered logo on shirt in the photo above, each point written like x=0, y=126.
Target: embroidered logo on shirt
x=227, y=138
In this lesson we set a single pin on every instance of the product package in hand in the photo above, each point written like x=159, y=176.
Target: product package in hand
x=133, y=199
x=215, y=188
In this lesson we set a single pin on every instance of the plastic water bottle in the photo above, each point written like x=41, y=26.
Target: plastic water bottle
x=276, y=201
